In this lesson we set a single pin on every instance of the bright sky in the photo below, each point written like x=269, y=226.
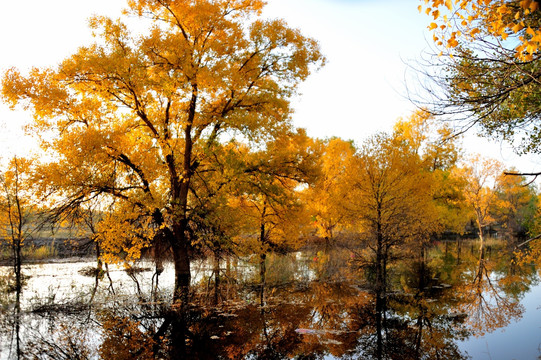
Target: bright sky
x=359, y=92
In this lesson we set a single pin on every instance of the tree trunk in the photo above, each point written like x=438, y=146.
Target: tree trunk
x=217, y=280
x=17, y=264
x=419, y=334
x=183, y=276
x=381, y=265
x=262, y=241
x=181, y=293
x=458, y=250
x=379, y=326
x=262, y=268
x=422, y=270
x=380, y=261
x=18, y=324
x=18, y=288
x=481, y=239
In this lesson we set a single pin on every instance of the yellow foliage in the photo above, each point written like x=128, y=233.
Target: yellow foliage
x=138, y=120
x=326, y=196
x=487, y=17
x=268, y=200
x=481, y=175
x=123, y=235
x=390, y=197
x=124, y=340
x=18, y=204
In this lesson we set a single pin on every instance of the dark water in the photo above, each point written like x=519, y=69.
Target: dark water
x=312, y=305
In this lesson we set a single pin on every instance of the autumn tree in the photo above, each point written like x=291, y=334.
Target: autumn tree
x=390, y=203
x=487, y=72
x=439, y=150
x=268, y=195
x=135, y=117
x=480, y=191
x=18, y=211
x=516, y=205
x=18, y=222
x=325, y=196
x=390, y=199
x=434, y=142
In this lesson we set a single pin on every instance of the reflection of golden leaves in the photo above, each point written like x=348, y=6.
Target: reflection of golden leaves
x=487, y=307
x=124, y=340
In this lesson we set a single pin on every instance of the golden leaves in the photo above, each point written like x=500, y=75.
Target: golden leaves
x=131, y=118
x=449, y=4
x=123, y=235
x=468, y=19
x=18, y=203
x=387, y=178
x=325, y=197
x=517, y=27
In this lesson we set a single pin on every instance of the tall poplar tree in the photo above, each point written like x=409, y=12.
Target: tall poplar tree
x=134, y=117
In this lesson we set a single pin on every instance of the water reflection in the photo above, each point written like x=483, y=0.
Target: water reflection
x=312, y=305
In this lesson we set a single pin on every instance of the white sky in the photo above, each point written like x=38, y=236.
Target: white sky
x=359, y=92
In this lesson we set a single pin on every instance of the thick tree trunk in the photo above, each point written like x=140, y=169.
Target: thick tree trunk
x=181, y=261
x=181, y=293
x=179, y=242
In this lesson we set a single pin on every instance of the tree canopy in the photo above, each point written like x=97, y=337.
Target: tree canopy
x=487, y=70
x=137, y=118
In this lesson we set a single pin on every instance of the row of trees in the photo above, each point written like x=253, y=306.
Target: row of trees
x=485, y=72
x=394, y=192
x=176, y=136
x=387, y=192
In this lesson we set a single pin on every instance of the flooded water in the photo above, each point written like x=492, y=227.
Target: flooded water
x=456, y=304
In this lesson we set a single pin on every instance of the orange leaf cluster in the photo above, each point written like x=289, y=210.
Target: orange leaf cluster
x=470, y=19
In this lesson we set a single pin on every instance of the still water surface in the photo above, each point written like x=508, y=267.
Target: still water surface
x=521, y=339
x=314, y=305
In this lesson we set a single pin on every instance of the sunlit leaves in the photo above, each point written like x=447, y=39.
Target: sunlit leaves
x=268, y=193
x=516, y=204
x=481, y=176
x=140, y=119
x=18, y=205
x=469, y=19
x=391, y=195
x=325, y=197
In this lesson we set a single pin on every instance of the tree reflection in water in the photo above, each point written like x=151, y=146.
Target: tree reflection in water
x=487, y=307
x=310, y=307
